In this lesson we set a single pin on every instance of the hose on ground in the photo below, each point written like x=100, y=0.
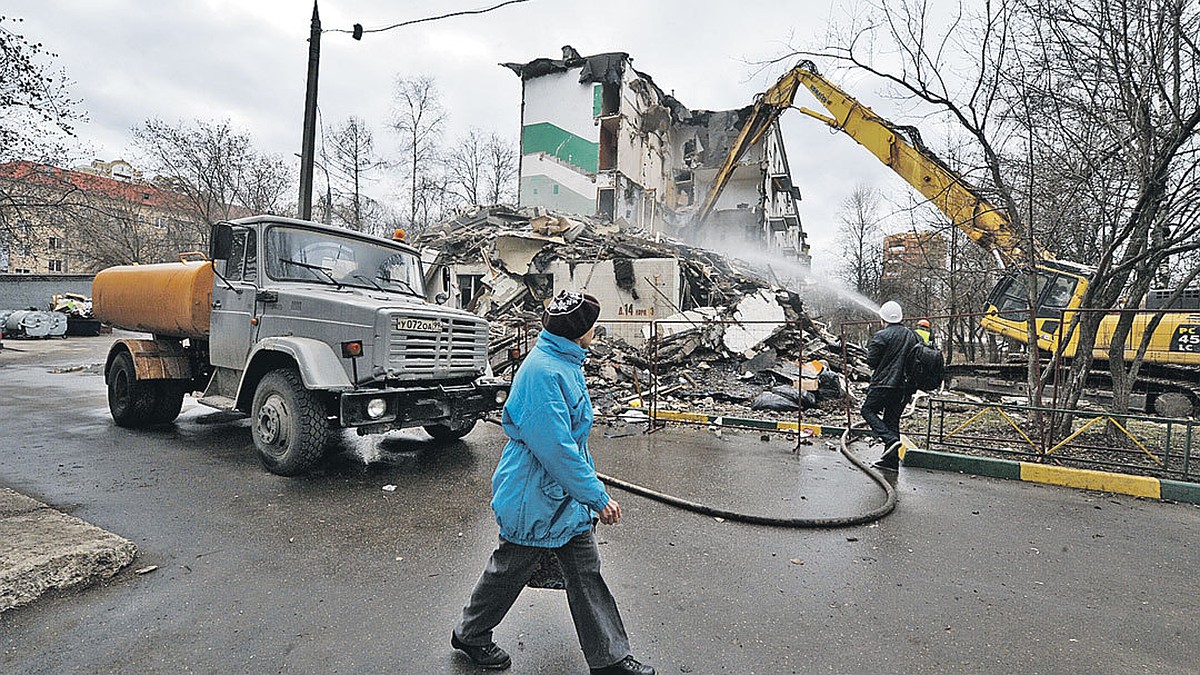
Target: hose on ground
x=808, y=523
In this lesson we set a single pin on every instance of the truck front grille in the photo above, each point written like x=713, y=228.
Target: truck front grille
x=459, y=348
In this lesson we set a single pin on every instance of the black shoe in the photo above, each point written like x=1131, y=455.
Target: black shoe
x=626, y=666
x=488, y=656
x=885, y=466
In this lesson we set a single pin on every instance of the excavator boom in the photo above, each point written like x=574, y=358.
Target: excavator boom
x=899, y=148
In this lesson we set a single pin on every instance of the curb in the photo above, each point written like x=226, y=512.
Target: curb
x=42, y=549
x=1083, y=479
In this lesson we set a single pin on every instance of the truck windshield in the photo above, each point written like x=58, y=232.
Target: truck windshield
x=296, y=254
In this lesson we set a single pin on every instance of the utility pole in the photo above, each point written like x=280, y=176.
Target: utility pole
x=310, y=117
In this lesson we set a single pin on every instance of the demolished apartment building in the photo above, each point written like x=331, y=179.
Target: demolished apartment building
x=724, y=336
x=612, y=170
x=599, y=137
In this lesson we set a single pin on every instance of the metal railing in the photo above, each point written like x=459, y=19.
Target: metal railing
x=1101, y=440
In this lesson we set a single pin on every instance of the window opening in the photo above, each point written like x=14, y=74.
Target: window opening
x=607, y=202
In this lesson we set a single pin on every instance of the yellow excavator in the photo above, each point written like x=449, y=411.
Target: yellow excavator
x=1175, y=342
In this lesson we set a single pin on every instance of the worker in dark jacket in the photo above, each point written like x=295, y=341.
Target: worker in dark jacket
x=888, y=392
x=547, y=497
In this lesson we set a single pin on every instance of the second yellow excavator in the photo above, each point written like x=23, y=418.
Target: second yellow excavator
x=1175, y=341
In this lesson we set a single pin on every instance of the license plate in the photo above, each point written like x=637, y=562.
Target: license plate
x=418, y=325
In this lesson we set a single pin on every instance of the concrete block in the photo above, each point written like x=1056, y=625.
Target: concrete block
x=42, y=549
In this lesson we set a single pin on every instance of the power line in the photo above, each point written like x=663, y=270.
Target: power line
x=358, y=30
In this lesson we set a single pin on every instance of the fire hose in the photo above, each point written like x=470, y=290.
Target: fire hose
x=810, y=523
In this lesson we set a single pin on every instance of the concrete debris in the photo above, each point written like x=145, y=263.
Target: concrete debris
x=696, y=329
x=42, y=550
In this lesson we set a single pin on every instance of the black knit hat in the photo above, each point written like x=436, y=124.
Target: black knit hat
x=571, y=314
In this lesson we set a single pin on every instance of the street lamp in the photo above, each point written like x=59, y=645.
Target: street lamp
x=310, y=93
x=308, y=141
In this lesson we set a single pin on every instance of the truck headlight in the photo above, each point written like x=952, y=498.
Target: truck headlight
x=501, y=395
x=376, y=408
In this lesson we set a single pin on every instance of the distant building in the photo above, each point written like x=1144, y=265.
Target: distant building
x=62, y=221
x=118, y=169
x=912, y=254
x=598, y=137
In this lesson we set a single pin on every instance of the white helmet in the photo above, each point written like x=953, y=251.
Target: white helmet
x=891, y=312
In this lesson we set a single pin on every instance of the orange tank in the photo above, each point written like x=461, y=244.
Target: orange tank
x=168, y=299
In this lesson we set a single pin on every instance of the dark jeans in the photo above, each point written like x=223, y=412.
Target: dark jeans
x=890, y=403
x=597, y=622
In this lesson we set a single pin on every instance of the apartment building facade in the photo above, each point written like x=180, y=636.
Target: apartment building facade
x=73, y=221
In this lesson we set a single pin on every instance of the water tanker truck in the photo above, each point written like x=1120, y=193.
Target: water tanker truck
x=306, y=328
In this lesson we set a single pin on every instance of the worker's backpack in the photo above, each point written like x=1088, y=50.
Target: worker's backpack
x=924, y=367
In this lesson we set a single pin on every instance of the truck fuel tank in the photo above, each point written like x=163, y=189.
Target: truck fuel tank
x=167, y=299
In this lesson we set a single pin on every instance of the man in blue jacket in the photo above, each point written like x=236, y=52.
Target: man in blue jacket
x=888, y=392
x=544, y=494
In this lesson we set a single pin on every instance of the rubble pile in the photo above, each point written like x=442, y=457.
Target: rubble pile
x=734, y=343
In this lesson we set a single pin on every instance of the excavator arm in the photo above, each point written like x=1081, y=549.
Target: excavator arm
x=767, y=109
x=899, y=148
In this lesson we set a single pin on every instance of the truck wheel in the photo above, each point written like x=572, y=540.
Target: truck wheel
x=168, y=401
x=288, y=423
x=447, y=432
x=129, y=400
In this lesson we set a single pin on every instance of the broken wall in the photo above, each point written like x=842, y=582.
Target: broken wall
x=632, y=292
x=643, y=152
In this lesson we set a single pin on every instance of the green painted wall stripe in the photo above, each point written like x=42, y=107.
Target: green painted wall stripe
x=560, y=143
x=597, y=100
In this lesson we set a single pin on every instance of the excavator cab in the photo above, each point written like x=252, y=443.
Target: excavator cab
x=1060, y=287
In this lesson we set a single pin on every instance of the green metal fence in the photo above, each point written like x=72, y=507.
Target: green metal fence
x=1135, y=444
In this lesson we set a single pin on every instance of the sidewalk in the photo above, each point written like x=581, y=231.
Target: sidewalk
x=42, y=550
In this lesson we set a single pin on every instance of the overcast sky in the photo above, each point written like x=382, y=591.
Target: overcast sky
x=245, y=60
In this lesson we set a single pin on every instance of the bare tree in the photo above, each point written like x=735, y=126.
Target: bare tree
x=105, y=233
x=861, y=239
x=434, y=201
x=500, y=169
x=37, y=117
x=37, y=112
x=215, y=167
x=465, y=166
x=1102, y=95
x=351, y=162
x=968, y=279
x=481, y=169
x=418, y=118
x=1113, y=90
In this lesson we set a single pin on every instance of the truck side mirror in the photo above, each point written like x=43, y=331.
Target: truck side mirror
x=220, y=241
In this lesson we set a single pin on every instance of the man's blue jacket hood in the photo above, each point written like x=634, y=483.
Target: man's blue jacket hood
x=545, y=488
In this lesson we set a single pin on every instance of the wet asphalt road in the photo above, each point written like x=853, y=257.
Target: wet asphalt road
x=331, y=573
